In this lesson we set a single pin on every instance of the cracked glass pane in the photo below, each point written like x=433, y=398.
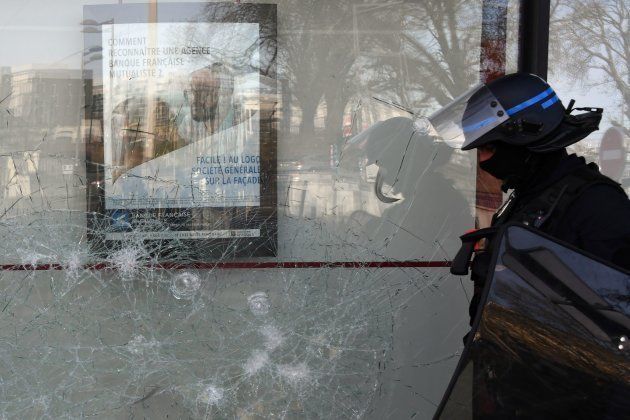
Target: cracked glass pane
x=321, y=292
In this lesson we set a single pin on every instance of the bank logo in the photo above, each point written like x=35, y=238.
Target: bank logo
x=121, y=220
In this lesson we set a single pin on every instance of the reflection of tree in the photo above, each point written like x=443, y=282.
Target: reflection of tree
x=412, y=53
x=442, y=44
x=595, y=35
x=260, y=14
x=317, y=56
x=415, y=53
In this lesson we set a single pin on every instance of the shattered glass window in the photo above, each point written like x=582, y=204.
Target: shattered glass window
x=322, y=292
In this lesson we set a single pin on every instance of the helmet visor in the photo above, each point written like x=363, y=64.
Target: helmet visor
x=468, y=117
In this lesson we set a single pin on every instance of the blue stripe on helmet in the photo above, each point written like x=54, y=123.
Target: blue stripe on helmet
x=478, y=125
x=550, y=102
x=529, y=102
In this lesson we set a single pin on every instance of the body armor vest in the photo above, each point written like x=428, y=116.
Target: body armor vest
x=550, y=205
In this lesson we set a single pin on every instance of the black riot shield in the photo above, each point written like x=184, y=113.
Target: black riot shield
x=551, y=340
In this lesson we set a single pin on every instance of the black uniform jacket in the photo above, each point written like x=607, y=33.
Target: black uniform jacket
x=597, y=221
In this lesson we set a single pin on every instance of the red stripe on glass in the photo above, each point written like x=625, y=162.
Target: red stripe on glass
x=242, y=265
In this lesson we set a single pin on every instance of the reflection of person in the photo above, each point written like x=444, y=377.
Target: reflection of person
x=422, y=205
x=211, y=99
x=521, y=130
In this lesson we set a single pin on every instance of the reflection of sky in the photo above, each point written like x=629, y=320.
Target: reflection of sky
x=42, y=31
x=605, y=96
x=595, y=275
x=597, y=88
x=45, y=32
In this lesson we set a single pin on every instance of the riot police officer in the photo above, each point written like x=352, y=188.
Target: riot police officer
x=521, y=129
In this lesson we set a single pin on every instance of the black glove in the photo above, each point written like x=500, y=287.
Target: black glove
x=478, y=274
x=479, y=268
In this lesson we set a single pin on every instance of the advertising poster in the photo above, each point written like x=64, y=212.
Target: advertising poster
x=184, y=157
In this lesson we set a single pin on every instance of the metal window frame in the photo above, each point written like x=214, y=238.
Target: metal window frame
x=533, y=48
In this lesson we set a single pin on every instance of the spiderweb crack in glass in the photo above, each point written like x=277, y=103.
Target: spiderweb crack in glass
x=119, y=333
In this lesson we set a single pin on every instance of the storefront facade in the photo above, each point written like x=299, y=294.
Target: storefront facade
x=262, y=259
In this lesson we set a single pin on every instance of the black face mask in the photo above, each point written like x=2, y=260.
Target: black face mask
x=520, y=168
x=508, y=162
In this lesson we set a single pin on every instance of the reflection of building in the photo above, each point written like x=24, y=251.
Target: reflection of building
x=47, y=97
x=92, y=128
x=255, y=97
x=5, y=83
x=5, y=92
x=309, y=196
x=43, y=115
